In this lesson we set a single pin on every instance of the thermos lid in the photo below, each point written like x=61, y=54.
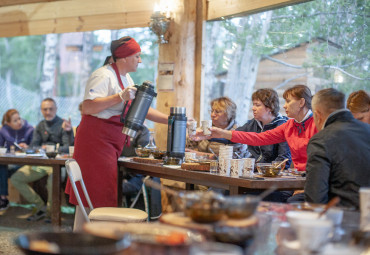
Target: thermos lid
x=178, y=110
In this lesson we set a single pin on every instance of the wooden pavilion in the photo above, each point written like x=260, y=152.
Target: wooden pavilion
x=184, y=50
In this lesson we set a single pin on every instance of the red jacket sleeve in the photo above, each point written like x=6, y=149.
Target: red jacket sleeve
x=272, y=136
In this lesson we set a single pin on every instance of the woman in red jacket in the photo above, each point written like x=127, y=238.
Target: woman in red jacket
x=297, y=131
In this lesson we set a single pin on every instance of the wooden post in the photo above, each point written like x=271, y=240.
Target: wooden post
x=181, y=52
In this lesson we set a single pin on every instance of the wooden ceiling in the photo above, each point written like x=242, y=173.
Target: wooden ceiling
x=35, y=17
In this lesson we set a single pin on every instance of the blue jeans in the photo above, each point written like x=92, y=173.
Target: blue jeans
x=5, y=172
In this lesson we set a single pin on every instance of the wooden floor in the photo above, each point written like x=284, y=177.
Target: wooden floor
x=13, y=223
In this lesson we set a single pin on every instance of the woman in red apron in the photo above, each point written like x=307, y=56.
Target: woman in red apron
x=99, y=139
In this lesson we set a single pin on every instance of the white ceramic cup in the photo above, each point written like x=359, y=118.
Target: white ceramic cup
x=248, y=167
x=71, y=150
x=236, y=167
x=192, y=128
x=206, y=125
x=313, y=235
x=49, y=148
x=225, y=166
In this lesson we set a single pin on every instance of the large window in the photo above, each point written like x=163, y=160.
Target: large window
x=58, y=66
x=322, y=43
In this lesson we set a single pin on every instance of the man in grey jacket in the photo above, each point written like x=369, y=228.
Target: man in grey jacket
x=337, y=163
x=49, y=131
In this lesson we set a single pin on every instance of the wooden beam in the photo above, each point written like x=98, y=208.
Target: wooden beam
x=73, y=16
x=201, y=12
x=71, y=9
x=17, y=2
x=75, y=24
x=218, y=9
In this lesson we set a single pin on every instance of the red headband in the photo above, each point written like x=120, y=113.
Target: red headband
x=127, y=49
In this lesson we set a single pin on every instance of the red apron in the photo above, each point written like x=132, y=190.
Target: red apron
x=98, y=144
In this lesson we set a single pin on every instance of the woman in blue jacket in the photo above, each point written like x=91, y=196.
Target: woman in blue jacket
x=14, y=130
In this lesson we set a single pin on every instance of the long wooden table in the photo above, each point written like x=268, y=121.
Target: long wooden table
x=56, y=164
x=234, y=185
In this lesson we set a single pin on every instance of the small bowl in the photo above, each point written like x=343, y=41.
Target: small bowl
x=259, y=165
x=159, y=154
x=172, y=161
x=270, y=171
x=242, y=206
x=51, y=154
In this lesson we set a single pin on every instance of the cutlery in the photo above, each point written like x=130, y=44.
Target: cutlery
x=214, y=154
x=18, y=146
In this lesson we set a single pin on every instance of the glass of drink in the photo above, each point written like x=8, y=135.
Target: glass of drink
x=213, y=167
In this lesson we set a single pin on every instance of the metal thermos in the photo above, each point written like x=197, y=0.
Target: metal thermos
x=138, y=110
x=176, y=136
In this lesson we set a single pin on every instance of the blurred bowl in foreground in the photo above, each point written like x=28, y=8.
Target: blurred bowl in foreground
x=204, y=206
x=69, y=244
x=242, y=206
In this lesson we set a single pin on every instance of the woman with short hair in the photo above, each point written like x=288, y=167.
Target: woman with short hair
x=223, y=114
x=266, y=117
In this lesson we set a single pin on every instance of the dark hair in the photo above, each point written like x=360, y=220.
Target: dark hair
x=358, y=101
x=7, y=117
x=329, y=100
x=227, y=105
x=107, y=60
x=298, y=92
x=50, y=100
x=269, y=98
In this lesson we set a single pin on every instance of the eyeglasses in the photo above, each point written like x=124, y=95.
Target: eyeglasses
x=218, y=112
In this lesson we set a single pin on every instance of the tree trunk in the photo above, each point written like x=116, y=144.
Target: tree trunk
x=211, y=91
x=49, y=66
x=243, y=70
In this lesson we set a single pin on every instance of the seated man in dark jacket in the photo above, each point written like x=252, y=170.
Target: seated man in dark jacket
x=337, y=155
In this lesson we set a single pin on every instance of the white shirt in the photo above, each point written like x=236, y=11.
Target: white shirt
x=102, y=83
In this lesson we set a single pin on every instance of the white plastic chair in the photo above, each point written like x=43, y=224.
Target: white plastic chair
x=102, y=213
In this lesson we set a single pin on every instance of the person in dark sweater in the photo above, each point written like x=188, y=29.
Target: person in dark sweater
x=337, y=155
x=14, y=131
x=48, y=132
x=266, y=117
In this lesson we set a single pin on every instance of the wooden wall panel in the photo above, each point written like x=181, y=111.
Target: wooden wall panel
x=181, y=51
